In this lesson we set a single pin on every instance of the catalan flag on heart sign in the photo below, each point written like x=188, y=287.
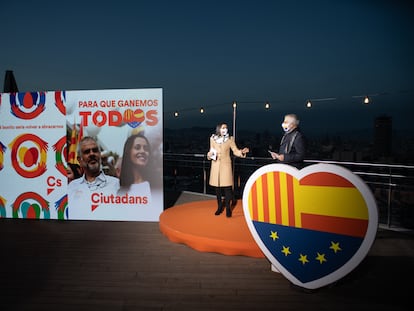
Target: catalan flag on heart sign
x=314, y=225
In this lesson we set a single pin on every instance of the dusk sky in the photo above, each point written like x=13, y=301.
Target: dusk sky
x=210, y=53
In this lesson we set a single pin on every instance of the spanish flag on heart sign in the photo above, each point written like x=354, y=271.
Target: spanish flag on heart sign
x=315, y=225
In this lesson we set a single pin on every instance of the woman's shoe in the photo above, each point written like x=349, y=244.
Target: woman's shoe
x=219, y=210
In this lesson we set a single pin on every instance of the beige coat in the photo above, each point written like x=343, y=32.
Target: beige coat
x=221, y=174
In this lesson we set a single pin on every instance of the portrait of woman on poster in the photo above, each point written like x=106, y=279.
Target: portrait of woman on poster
x=134, y=171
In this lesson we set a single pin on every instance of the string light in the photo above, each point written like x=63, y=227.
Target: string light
x=366, y=99
x=309, y=102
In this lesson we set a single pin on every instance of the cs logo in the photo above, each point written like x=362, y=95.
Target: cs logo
x=28, y=154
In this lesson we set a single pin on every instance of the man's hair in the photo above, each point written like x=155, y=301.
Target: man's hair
x=85, y=138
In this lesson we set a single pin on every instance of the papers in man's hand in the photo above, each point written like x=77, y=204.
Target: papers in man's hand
x=213, y=154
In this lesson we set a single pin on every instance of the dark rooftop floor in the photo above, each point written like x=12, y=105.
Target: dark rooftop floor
x=98, y=265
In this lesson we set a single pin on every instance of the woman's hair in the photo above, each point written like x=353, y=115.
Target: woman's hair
x=76, y=169
x=126, y=177
x=218, y=127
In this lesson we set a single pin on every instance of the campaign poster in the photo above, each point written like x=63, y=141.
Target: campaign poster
x=41, y=137
x=113, y=117
x=32, y=148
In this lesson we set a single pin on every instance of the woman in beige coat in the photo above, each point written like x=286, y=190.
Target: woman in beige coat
x=221, y=174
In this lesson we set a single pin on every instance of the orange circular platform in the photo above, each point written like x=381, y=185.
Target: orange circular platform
x=195, y=225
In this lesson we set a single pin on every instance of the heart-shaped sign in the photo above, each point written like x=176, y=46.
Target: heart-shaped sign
x=314, y=225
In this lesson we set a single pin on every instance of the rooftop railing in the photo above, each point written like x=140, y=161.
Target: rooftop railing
x=391, y=185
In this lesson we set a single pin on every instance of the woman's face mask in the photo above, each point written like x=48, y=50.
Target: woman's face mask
x=223, y=131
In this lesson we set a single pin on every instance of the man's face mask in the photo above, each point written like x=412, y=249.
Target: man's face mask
x=286, y=126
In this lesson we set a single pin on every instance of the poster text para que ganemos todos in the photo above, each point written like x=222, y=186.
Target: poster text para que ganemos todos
x=105, y=117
